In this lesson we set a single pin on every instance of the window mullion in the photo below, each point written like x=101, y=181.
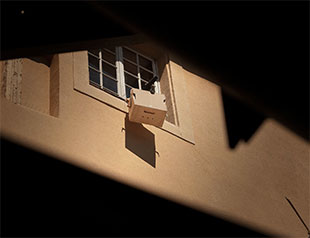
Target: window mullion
x=138, y=66
x=120, y=73
x=155, y=73
x=100, y=69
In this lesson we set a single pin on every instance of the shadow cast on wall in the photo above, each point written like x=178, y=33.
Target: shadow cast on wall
x=140, y=141
x=43, y=196
x=241, y=121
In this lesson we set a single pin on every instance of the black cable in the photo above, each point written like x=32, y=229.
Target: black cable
x=149, y=85
x=298, y=216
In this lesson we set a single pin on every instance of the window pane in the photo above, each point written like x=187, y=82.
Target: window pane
x=145, y=63
x=132, y=81
x=93, y=61
x=128, y=92
x=146, y=75
x=95, y=52
x=108, y=56
x=110, y=84
x=128, y=54
x=131, y=68
x=109, y=70
x=94, y=77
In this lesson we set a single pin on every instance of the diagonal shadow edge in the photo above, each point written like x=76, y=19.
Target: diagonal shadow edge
x=44, y=196
x=140, y=141
x=241, y=121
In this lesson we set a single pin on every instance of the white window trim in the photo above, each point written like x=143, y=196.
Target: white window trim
x=154, y=66
x=183, y=130
x=120, y=73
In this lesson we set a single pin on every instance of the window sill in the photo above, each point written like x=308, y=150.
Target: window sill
x=81, y=84
x=103, y=96
x=121, y=105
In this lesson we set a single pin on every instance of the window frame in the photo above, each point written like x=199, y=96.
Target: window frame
x=120, y=71
x=101, y=73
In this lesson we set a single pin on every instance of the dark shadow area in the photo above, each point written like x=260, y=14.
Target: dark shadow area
x=56, y=27
x=257, y=51
x=140, y=141
x=46, y=59
x=241, y=120
x=240, y=48
x=43, y=196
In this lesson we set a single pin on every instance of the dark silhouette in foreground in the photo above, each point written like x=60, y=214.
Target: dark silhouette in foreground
x=42, y=196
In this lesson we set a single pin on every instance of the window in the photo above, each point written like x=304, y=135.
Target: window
x=117, y=70
x=105, y=74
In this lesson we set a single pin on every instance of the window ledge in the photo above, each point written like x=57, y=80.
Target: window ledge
x=81, y=84
x=103, y=96
x=121, y=105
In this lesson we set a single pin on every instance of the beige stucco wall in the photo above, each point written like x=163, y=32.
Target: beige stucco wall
x=26, y=82
x=246, y=185
x=35, y=86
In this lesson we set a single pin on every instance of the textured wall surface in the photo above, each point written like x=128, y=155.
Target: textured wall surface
x=11, y=80
x=166, y=88
x=54, y=87
x=35, y=86
x=247, y=185
x=26, y=82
